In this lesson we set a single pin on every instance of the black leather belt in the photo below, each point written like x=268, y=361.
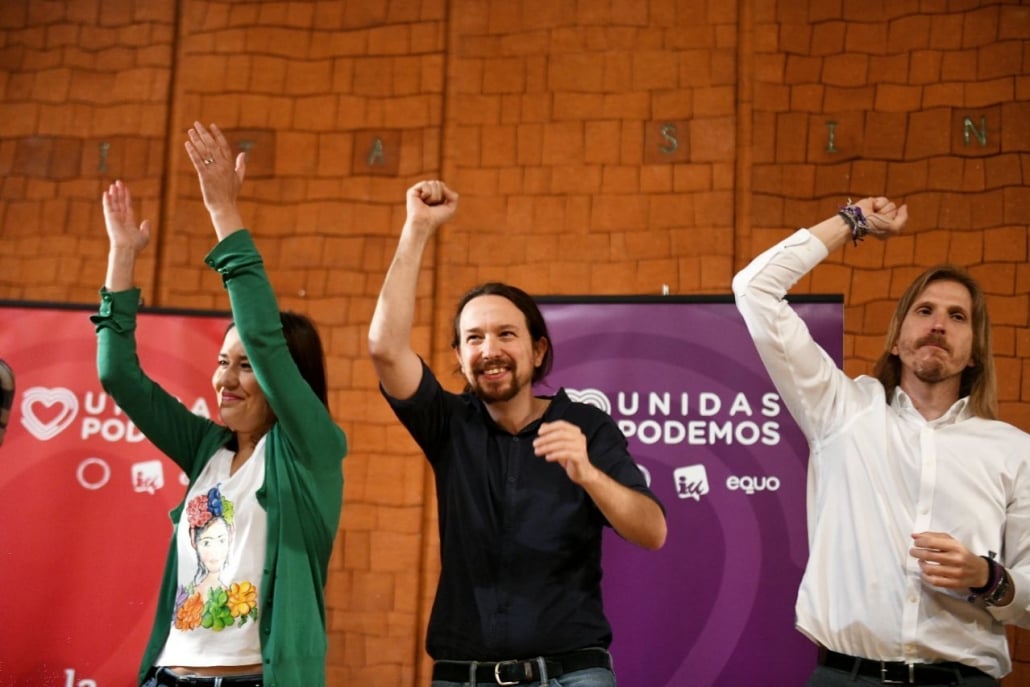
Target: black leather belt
x=898, y=672
x=518, y=671
x=170, y=679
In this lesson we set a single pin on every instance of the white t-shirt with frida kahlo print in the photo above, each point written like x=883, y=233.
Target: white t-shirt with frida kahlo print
x=221, y=540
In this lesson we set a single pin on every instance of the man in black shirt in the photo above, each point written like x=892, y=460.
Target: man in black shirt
x=525, y=484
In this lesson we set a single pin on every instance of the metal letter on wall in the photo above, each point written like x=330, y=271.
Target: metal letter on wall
x=377, y=152
x=831, y=137
x=260, y=147
x=981, y=133
x=971, y=133
x=667, y=141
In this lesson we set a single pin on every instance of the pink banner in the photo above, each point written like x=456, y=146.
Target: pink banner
x=84, y=497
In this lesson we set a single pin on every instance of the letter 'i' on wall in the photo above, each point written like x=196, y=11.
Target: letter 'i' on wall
x=831, y=136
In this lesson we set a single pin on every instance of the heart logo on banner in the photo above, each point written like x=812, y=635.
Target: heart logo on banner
x=64, y=402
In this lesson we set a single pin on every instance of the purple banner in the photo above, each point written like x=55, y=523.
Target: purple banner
x=714, y=607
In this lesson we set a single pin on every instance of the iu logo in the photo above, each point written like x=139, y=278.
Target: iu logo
x=691, y=482
x=45, y=413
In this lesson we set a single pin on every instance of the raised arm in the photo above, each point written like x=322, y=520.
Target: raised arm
x=806, y=377
x=127, y=240
x=211, y=156
x=877, y=217
x=429, y=205
x=303, y=417
x=160, y=416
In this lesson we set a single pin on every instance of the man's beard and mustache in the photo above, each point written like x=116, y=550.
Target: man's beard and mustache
x=931, y=370
x=496, y=393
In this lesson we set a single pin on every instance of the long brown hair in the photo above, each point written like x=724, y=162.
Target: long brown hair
x=525, y=303
x=978, y=380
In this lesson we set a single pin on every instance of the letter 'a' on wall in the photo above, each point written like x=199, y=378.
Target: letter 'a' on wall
x=682, y=379
x=84, y=496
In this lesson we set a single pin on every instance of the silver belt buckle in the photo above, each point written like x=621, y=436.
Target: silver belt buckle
x=911, y=675
x=497, y=673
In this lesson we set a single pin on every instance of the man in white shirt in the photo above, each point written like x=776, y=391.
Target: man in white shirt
x=918, y=498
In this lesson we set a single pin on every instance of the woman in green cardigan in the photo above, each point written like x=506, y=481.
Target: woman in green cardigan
x=241, y=603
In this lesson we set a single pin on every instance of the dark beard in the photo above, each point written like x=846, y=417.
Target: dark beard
x=496, y=396
x=492, y=393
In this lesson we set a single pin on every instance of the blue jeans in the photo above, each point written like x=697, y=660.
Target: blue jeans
x=591, y=677
x=830, y=677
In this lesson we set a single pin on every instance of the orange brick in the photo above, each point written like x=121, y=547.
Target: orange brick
x=602, y=142
x=997, y=278
x=828, y=38
x=1013, y=136
x=909, y=33
x=1017, y=206
x=984, y=93
x=655, y=70
x=943, y=94
x=802, y=69
x=724, y=67
x=834, y=180
x=714, y=140
x=865, y=36
x=807, y=98
x=626, y=106
x=471, y=109
x=795, y=36
x=1005, y=244
x=959, y=65
x=562, y=142
x=906, y=177
x=849, y=99
x=687, y=178
x=1014, y=22
x=572, y=106
x=1011, y=310
x=503, y=75
x=967, y=248
x=714, y=101
x=575, y=73
x=946, y=31
x=924, y=67
x=1002, y=170
x=791, y=137
x=980, y=27
x=928, y=134
x=846, y=70
x=648, y=178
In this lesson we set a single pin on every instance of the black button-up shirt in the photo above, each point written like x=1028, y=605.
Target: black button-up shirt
x=520, y=543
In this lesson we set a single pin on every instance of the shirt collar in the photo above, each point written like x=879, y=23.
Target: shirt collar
x=958, y=411
x=555, y=411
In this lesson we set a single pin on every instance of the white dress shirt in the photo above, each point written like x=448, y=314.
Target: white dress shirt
x=878, y=472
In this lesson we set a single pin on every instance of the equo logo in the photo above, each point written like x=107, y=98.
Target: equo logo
x=749, y=485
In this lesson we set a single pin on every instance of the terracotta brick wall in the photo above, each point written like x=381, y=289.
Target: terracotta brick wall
x=599, y=147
